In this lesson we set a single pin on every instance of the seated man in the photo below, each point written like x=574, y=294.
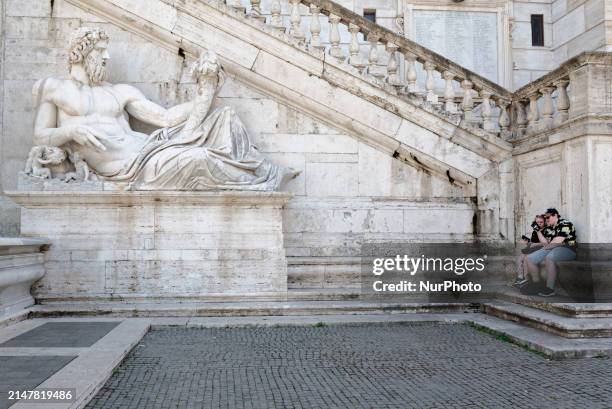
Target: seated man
x=195, y=148
x=562, y=247
x=540, y=236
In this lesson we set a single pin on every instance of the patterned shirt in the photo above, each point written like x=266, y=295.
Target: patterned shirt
x=547, y=232
x=565, y=228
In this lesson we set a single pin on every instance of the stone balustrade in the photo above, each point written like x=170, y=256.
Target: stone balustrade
x=564, y=94
x=542, y=105
x=390, y=60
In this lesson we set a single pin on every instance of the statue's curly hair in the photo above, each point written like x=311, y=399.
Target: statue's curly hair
x=83, y=41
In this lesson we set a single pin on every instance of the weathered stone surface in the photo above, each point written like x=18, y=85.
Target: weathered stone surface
x=21, y=264
x=132, y=245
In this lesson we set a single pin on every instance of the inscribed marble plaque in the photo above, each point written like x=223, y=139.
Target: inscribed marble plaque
x=467, y=38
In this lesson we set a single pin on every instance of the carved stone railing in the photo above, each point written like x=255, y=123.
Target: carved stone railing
x=391, y=60
x=561, y=95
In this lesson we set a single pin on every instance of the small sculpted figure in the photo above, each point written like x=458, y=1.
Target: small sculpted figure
x=81, y=170
x=41, y=156
x=193, y=149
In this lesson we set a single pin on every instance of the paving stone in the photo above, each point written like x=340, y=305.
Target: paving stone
x=26, y=372
x=420, y=365
x=62, y=335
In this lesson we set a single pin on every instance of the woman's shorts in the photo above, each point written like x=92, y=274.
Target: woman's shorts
x=561, y=253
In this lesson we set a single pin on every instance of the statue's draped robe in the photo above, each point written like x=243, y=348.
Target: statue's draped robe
x=216, y=155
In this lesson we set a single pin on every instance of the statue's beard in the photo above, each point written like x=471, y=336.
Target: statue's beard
x=95, y=69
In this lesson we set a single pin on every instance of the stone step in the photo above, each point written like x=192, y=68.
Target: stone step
x=232, y=309
x=323, y=294
x=569, y=327
x=560, y=305
x=551, y=345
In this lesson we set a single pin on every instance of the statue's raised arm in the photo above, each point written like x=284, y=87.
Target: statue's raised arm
x=194, y=149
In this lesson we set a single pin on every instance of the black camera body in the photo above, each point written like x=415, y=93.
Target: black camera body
x=535, y=226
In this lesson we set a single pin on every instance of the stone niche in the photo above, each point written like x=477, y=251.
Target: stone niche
x=165, y=244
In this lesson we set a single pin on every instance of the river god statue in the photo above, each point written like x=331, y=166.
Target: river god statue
x=193, y=149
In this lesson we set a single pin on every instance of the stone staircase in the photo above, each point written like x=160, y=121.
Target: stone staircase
x=552, y=322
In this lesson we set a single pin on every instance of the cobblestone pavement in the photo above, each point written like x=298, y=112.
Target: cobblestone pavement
x=366, y=366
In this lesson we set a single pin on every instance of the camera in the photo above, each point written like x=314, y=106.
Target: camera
x=535, y=226
x=525, y=238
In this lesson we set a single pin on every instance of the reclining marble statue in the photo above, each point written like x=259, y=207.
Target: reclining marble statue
x=193, y=149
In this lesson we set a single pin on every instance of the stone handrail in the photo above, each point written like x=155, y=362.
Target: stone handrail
x=474, y=99
x=544, y=103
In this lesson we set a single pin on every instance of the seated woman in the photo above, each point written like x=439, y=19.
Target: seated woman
x=540, y=236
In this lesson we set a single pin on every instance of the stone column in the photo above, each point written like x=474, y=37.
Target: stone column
x=562, y=102
x=547, y=108
x=411, y=74
x=468, y=102
x=485, y=111
x=354, y=59
x=521, y=119
x=449, y=93
x=296, y=19
x=276, y=21
x=429, y=83
x=533, y=116
x=315, y=28
x=392, y=76
x=334, y=38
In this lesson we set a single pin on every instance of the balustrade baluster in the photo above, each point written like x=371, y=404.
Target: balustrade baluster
x=468, y=102
x=521, y=119
x=411, y=73
x=373, y=68
x=236, y=4
x=276, y=21
x=296, y=19
x=256, y=11
x=563, y=103
x=354, y=59
x=504, y=118
x=449, y=93
x=533, y=115
x=392, y=76
x=315, y=28
x=334, y=38
x=547, y=107
x=485, y=111
x=429, y=83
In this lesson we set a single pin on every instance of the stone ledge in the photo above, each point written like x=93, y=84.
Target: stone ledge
x=21, y=264
x=22, y=245
x=200, y=198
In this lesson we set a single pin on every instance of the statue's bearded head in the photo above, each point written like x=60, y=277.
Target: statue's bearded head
x=89, y=48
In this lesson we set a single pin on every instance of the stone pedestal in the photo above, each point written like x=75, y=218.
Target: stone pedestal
x=21, y=264
x=158, y=245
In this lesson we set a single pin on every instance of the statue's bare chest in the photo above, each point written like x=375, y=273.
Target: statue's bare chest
x=87, y=101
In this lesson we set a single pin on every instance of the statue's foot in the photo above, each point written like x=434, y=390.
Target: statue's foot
x=290, y=174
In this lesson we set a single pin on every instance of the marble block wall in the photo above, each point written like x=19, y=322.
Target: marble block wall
x=580, y=25
x=154, y=245
x=573, y=176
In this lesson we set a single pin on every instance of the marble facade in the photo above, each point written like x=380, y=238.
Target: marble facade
x=378, y=161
